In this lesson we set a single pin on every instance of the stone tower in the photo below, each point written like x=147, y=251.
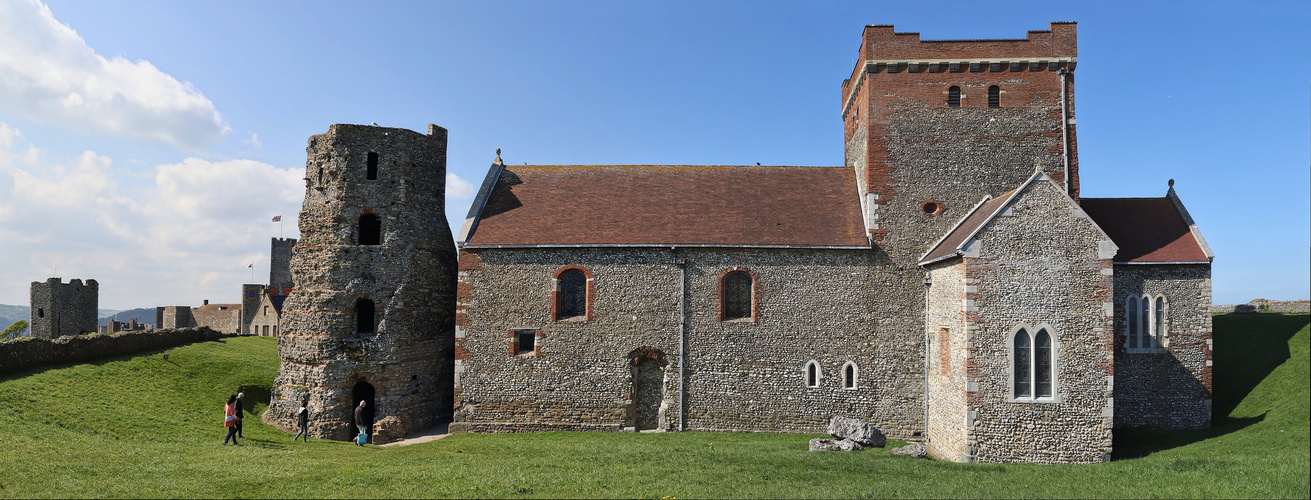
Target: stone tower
x=371, y=316
x=60, y=309
x=250, y=295
x=280, y=265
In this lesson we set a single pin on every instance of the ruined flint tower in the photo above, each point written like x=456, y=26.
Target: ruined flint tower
x=371, y=316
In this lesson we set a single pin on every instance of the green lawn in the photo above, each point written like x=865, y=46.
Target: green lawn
x=143, y=427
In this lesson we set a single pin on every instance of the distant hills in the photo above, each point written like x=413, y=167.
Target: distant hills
x=9, y=314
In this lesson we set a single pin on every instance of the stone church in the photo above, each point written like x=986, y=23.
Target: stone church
x=950, y=283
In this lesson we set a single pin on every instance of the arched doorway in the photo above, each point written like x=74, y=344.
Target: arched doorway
x=648, y=372
x=363, y=391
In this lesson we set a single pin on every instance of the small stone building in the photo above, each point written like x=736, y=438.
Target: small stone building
x=60, y=309
x=264, y=320
x=173, y=317
x=948, y=283
x=222, y=318
x=370, y=315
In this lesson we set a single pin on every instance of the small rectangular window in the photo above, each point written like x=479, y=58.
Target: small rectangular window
x=373, y=166
x=527, y=342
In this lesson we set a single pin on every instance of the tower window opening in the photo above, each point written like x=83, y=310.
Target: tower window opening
x=364, y=316
x=953, y=97
x=994, y=97
x=373, y=166
x=370, y=229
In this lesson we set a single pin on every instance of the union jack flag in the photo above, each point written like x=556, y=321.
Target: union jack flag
x=277, y=218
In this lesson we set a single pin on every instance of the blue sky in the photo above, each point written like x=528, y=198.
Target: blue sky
x=148, y=144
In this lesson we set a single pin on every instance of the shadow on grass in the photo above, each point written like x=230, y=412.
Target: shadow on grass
x=1142, y=441
x=1247, y=348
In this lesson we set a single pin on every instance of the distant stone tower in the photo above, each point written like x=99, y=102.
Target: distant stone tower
x=280, y=265
x=60, y=309
x=250, y=296
x=372, y=313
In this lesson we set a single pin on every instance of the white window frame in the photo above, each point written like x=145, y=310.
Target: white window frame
x=852, y=383
x=1032, y=333
x=819, y=374
x=1153, y=337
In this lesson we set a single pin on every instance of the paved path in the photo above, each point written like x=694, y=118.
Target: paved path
x=432, y=434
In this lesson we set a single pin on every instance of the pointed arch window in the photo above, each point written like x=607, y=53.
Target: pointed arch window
x=850, y=375
x=1145, y=325
x=994, y=97
x=953, y=97
x=813, y=374
x=1033, y=365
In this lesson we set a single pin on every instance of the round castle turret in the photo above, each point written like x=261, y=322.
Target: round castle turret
x=371, y=316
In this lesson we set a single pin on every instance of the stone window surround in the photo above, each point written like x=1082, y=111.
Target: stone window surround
x=819, y=374
x=555, y=294
x=853, y=383
x=755, y=296
x=1148, y=329
x=513, y=342
x=1010, y=369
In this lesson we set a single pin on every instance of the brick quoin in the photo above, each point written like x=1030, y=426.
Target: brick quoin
x=469, y=261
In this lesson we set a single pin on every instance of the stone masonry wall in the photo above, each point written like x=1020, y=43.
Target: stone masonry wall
x=60, y=309
x=948, y=335
x=409, y=276
x=171, y=317
x=32, y=352
x=1169, y=388
x=741, y=375
x=1045, y=265
x=225, y=318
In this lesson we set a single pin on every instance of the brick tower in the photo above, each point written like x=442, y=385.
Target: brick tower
x=371, y=316
x=932, y=126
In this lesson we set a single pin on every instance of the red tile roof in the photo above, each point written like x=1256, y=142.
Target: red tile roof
x=951, y=244
x=661, y=205
x=1146, y=229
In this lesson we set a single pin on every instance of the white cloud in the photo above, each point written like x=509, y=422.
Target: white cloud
x=457, y=188
x=186, y=235
x=49, y=74
x=253, y=141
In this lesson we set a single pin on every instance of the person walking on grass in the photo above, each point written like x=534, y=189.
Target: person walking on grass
x=303, y=420
x=240, y=397
x=359, y=422
x=230, y=419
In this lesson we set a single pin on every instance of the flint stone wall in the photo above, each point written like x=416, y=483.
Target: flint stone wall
x=409, y=277
x=1169, y=388
x=24, y=354
x=741, y=375
x=1038, y=267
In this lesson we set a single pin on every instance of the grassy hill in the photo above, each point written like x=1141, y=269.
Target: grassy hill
x=144, y=427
